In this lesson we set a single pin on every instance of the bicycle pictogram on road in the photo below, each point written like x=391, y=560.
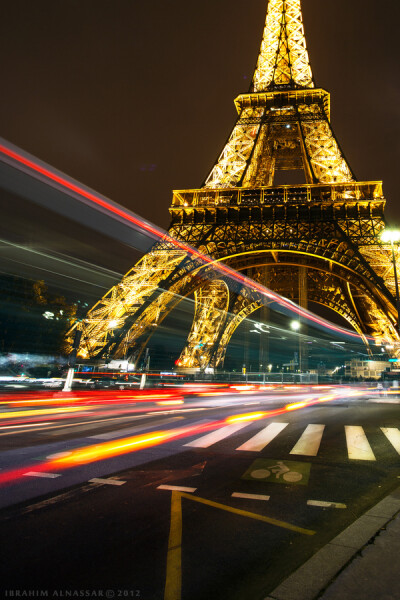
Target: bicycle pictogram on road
x=278, y=471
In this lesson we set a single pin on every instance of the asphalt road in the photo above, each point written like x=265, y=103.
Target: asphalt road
x=235, y=514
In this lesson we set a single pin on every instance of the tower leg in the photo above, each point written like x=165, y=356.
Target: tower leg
x=212, y=301
x=243, y=307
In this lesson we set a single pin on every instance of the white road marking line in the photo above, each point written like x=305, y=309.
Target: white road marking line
x=116, y=433
x=108, y=420
x=215, y=436
x=45, y=475
x=263, y=437
x=393, y=435
x=309, y=443
x=326, y=504
x=250, y=496
x=26, y=426
x=176, y=488
x=58, y=455
x=157, y=413
x=358, y=447
x=107, y=481
x=384, y=401
x=22, y=431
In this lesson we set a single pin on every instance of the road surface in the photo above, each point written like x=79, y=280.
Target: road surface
x=219, y=494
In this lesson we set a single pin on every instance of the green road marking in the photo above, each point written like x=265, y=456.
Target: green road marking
x=278, y=471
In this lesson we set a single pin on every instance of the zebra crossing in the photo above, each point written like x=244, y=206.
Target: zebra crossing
x=358, y=446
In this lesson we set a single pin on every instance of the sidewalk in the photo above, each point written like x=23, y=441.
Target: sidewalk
x=361, y=563
x=373, y=574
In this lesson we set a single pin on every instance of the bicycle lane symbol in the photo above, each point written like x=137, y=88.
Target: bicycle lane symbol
x=278, y=471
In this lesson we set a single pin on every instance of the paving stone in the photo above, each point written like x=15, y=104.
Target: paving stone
x=307, y=582
x=373, y=575
x=360, y=532
x=387, y=508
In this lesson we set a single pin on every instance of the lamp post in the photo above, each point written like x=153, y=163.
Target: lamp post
x=72, y=360
x=295, y=326
x=392, y=236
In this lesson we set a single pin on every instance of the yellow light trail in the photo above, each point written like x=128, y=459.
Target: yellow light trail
x=248, y=417
x=109, y=449
x=101, y=451
x=167, y=402
x=296, y=405
x=49, y=411
x=39, y=402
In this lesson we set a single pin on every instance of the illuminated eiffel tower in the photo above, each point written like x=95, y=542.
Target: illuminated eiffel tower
x=316, y=241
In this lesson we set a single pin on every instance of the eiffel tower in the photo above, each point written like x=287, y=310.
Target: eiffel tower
x=317, y=241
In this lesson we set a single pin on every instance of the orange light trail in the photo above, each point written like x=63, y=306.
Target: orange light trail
x=325, y=398
x=296, y=405
x=105, y=450
x=208, y=394
x=169, y=402
x=109, y=449
x=248, y=417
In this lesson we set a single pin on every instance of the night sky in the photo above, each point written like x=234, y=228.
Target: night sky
x=135, y=98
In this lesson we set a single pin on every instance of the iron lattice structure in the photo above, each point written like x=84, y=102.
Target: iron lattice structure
x=316, y=241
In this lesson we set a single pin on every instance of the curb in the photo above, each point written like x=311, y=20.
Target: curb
x=312, y=578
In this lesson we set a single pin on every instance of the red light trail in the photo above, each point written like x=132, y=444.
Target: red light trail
x=159, y=234
x=105, y=450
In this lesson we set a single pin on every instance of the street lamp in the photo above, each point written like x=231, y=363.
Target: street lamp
x=393, y=236
x=295, y=325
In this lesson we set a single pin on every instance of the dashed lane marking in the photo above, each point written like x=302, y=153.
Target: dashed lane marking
x=41, y=474
x=384, y=401
x=25, y=430
x=358, y=447
x=107, y=481
x=263, y=437
x=177, y=488
x=250, y=496
x=111, y=435
x=310, y=441
x=325, y=504
x=25, y=425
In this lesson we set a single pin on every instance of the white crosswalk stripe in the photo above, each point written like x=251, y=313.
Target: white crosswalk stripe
x=216, y=436
x=310, y=441
x=308, y=444
x=358, y=447
x=263, y=437
x=393, y=435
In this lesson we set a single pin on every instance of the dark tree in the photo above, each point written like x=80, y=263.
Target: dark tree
x=32, y=319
